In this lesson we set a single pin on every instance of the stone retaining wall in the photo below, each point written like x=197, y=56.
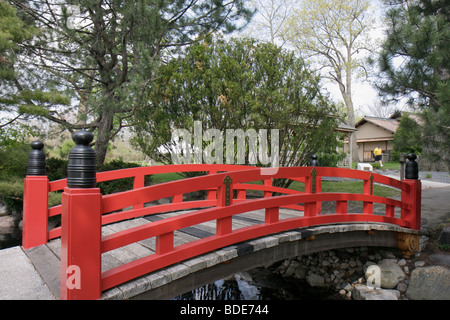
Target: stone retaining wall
x=347, y=272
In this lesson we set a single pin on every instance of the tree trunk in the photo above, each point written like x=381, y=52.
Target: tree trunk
x=347, y=95
x=351, y=122
x=104, y=135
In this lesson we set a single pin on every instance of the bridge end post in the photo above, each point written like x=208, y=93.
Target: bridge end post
x=35, y=201
x=413, y=194
x=81, y=225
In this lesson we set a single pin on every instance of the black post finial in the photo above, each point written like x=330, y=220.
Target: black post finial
x=36, y=160
x=82, y=169
x=412, y=167
x=314, y=162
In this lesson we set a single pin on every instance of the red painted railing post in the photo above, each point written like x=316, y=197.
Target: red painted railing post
x=164, y=243
x=211, y=194
x=81, y=225
x=412, y=195
x=225, y=198
x=241, y=194
x=368, y=190
x=35, y=199
x=316, y=182
x=269, y=183
x=313, y=184
x=80, y=244
x=272, y=215
x=138, y=182
x=318, y=190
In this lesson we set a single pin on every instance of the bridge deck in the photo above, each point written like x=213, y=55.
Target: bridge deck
x=46, y=259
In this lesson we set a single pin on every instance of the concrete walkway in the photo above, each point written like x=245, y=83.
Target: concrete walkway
x=19, y=279
x=435, y=206
x=435, y=202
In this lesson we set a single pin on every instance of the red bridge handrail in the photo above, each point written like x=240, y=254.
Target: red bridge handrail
x=163, y=230
x=87, y=210
x=166, y=227
x=137, y=173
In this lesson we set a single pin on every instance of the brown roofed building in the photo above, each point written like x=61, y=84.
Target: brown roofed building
x=373, y=132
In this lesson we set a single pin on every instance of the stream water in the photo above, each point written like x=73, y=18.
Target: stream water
x=259, y=284
x=8, y=240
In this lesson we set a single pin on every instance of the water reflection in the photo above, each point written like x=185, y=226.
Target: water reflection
x=259, y=284
x=229, y=289
x=8, y=240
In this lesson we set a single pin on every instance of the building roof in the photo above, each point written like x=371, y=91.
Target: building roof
x=387, y=124
x=342, y=127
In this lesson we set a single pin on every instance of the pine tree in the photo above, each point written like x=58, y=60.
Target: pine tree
x=239, y=85
x=415, y=64
x=18, y=97
x=103, y=53
x=407, y=138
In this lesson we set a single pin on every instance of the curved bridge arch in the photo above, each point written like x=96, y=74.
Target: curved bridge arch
x=262, y=252
x=84, y=211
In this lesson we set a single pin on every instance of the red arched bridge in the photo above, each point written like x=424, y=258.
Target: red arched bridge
x=84, y=211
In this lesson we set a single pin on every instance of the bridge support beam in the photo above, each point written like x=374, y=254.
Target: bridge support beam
x=408, y=243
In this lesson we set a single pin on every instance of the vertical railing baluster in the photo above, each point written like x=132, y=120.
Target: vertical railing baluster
x=138, y=182
x=211, y=194
x=225, y=198
x=316, y=182
x=313, y=184
x=269, y=183
x=341, y=207
x=241, y=194
x=390, y=211
x=177, y=198
x=272, y=215
x=368, y=190
x=164, y=243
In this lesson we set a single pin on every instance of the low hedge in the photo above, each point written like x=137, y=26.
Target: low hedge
x=11, y=181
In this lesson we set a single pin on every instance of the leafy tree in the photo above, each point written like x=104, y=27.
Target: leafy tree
x=335, y=34
x=239, y=84
x=415, y=65
x=270, y=26
x=103, y=53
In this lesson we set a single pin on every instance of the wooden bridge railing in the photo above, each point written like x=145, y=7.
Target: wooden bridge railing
x=84, y=210
x=37, y=188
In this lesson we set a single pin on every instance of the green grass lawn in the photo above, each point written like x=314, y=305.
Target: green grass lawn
x=386, y=165
x=166, y=177
x=349, y=187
